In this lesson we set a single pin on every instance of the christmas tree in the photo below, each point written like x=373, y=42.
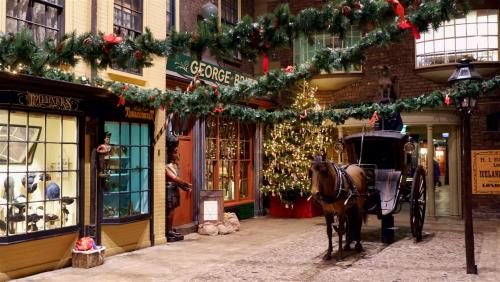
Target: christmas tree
x=289, y=149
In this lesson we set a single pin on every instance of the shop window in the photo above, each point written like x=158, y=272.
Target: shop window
x=39, y=172
x=126, y=189
x=304, y=51
x=229, y=158
x=493, y=122
x=474, y=36
x=43, y=17
x=128, y=22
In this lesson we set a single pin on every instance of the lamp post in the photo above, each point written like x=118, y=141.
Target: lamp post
x=465, y=72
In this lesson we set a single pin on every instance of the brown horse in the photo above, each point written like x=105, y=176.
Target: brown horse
x=341, y=192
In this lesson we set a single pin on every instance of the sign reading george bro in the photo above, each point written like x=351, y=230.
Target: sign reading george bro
x=187, y=66
x=486, y=171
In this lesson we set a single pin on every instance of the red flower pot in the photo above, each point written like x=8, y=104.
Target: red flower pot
x=302, y=208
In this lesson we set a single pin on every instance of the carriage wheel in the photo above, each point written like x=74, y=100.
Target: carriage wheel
x=417, y=203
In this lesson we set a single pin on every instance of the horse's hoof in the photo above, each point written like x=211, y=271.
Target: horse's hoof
x=327, y=256
x=358, y=247
x=347, y=247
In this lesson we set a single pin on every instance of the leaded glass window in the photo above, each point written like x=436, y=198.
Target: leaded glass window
x=43, y=17
x=39, y=172
x=128, y=22
x=474, y=36
x=126, y=189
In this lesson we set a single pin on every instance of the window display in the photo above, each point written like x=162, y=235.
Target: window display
x=126, y=183
x=228, y=157
x=38, y=172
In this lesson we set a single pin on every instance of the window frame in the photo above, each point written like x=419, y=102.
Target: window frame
x=324, y=37
x=215, y=163
x=79, y=163
x=130, y=218
x=139, y=12
x=447, y=56
x=29, y=17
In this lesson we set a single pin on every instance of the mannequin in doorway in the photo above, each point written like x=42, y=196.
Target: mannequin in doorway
x=173, y=185
x=437, y=182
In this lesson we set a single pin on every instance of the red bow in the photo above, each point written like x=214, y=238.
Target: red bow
x=289, y=69
x=404, y=23
x=218, y=109
x=374, y=118
x=112, y=39
x=216, y=90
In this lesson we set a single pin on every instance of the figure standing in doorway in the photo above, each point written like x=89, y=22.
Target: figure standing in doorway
x=173, y=185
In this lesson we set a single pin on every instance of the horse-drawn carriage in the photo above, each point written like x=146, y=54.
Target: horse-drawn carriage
x=382, y=179
x=391, y=177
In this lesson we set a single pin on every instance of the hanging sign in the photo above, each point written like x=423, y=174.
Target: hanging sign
x=36, y=100
x=187, y=66
x=486, y=171
x=140, y=113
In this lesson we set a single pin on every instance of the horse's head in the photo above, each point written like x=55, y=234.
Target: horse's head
x=322, y=178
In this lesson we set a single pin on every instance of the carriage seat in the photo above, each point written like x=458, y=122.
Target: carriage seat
x=387, y=183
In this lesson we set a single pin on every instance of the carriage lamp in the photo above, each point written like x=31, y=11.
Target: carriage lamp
x=466, y=104
x=409, y=146
x=339, y=148
x=209, y=10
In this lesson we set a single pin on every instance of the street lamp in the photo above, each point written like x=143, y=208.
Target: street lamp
x=465, y=72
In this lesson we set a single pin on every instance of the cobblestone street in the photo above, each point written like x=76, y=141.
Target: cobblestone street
x=292, y=249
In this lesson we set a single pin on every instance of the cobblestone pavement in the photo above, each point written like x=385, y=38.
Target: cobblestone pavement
x=292, y=249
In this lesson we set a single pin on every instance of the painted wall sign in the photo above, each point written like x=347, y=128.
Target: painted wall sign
x=146, y=114
x=486, y=171
x=187, y=66
x=36, y=100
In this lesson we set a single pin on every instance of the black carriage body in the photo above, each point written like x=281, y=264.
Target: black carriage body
x=382, y=155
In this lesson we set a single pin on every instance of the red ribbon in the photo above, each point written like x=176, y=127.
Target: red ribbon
x=266, y=63
x=121, y=101
x=289, y=69
x=404, y=23
x=447, y=99
x=374, y=118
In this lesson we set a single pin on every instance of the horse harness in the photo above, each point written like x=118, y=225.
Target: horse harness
x=350, y=188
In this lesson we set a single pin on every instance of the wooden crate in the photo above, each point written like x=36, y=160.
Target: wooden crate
x=88, y=259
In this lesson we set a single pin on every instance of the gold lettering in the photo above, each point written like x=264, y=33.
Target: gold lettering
x=194, y=67
x=227, y=76
x=208, y=68
x=220, y=78
x=202, y=69
x=214, y=74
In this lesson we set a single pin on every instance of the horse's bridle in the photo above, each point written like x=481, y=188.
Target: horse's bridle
x=341, y=173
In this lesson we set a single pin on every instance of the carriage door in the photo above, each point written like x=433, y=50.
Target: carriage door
x=182, y=128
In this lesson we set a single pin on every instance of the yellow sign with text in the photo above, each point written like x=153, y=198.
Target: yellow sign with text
x=486, y=171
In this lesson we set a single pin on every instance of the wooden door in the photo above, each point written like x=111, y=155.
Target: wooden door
x=184, y=213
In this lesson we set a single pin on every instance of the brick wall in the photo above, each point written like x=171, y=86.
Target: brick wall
x=399, y=57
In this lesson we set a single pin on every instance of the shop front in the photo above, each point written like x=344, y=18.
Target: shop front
x=224, y=153
x=54, y=188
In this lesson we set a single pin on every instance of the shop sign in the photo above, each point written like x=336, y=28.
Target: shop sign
x=187, y=66
x=139, y=113
x=36, y=100
x=486, y=171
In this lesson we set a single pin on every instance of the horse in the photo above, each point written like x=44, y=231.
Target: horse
x=341, y=192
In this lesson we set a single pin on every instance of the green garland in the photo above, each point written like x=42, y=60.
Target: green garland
x=19, y=51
